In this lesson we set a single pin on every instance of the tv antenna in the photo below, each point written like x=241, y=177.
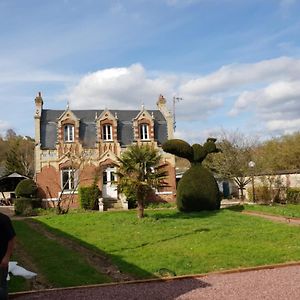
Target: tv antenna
x=175, y=100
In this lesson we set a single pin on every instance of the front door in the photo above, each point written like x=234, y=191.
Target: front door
x=109, y=189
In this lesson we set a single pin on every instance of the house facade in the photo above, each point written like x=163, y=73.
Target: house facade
x=78, y=147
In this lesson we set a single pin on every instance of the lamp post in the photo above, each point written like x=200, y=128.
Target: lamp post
x=251, y=166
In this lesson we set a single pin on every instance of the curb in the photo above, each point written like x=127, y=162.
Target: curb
x=231, y=271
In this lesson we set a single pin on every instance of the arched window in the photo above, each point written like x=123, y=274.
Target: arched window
x=107, y=132
x=69, y=133
x=144, y=131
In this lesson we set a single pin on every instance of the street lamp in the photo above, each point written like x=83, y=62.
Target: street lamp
x=251, y=165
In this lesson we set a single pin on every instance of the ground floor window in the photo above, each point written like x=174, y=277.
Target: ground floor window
x=68, y=178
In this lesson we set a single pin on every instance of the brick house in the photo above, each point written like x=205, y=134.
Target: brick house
x=88, y=142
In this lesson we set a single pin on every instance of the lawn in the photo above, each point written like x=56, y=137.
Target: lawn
x=166, y=239
x=60, y=266
x=288, y=210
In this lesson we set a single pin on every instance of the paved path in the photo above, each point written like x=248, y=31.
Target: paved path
x=7, y=210
x=267, y=284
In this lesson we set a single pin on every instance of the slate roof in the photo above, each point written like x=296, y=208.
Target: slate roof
x=87, y=130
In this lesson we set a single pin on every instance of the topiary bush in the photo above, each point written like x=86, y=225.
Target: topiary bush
x=26, y=188
x=88, y=196
x=197, y=189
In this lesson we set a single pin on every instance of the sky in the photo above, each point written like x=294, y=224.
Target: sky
x=235, y=64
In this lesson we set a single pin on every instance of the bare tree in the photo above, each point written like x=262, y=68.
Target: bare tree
x=237, y=150
x=72, y=181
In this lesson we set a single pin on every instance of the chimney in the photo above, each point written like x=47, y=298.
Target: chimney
x=38, y=104
x=161, y=102
x=162, y=106
x=37, y=117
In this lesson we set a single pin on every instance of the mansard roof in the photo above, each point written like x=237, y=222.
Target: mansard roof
x=87, y=130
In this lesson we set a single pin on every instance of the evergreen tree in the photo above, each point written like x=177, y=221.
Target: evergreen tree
x=140, y=173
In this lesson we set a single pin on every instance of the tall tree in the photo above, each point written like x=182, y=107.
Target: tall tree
x=280, y=154
x=19, y=154
x=237, y=150
x=140, y=173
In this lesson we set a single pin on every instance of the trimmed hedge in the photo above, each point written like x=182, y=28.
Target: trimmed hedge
x=197, y=189
x=88, y=197
x=179, y=148
x=26, y=188
x=26, y=206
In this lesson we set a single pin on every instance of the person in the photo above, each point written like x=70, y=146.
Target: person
x=7, y=243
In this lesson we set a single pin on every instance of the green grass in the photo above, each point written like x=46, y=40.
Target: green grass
x=182, y=243
x=288, y=210
x=60, y=266
x=17, y=284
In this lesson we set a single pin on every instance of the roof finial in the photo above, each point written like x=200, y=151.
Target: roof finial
x=143, y=106
x=68, y=105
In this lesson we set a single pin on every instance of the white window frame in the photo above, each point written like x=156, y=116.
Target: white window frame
x=107, y=132
x=69, y=133
x=70, y=183
x=144, y=131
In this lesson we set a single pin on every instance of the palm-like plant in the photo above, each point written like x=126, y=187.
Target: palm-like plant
x=140, y=173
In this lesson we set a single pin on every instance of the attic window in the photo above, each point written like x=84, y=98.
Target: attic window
x=69, y=133
x=107, y=132
x=144, y=131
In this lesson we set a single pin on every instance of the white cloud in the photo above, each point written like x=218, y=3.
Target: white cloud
x=119, y=88
x=238, y=75
x=128, y=88
x=283, y=126
x=197, y=136
x=269, y=90
x=270, y=97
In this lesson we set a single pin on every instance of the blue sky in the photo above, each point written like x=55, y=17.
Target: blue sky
x=235, y=63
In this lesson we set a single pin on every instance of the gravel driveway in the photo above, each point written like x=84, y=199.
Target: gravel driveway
x=279, y=283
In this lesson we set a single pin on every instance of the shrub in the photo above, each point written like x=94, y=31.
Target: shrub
x=88, y=196
x=130, y=194
x=26, y=188
x=197, y=190
x=293, y=196
x=262, y=194
x=26, y=206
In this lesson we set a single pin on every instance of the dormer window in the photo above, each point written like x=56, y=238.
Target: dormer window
x=107, y=132
x=144, y=131
x=69, y=133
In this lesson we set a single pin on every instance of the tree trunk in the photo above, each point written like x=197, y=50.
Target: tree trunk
x=140, y=209
x=140, y=205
